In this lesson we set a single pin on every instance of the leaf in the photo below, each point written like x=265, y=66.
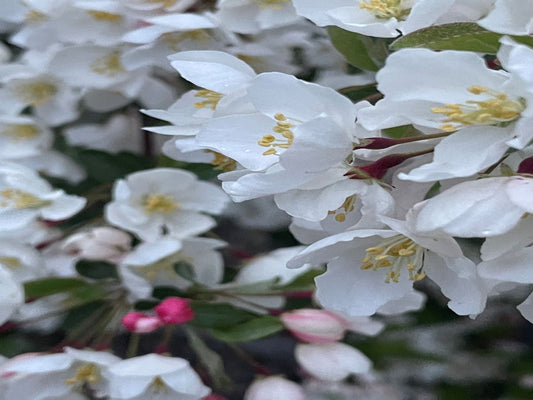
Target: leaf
x=162, y=292
x=144, y=305
x=433, y=191
x=96, y=269
x=49, y=286
x=303, y=281
x=77, y=315
x=250, y=330
x=357, y=49
x=401, y=131
x=218, y=315
x=466, y=36
x=210, y=360
x=85, y=294
x=254, y=288
x=185, y=270
x=358, y=93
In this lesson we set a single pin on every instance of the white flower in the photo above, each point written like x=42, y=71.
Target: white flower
x=100, y=243
x=150, y=202
x=513, y=17
x=331, y=361
x=252, y=16
x=24, y=197
x=381, y=18
x=154, y=377
x=22, y=137
x=12, y=295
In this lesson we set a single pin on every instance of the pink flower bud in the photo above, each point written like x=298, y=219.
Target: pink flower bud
x=315, y=326
x=274, y=387
x=138, y=322
x=174, y=310
x=214, y=396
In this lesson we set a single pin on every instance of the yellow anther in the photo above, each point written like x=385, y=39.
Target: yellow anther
x=35, y=93
x=11, y=262
x=109, y=65
x=174, y=39
x=17, y=133
x=281, y=127
x=105, y=16
x=498, y=109
x=211, y=99
x=159, y=386
x=271, y=4
x=161, y=203
x=340, y=217
x=280, y=117
x=88, y=373
x=386, y=9
x=34, y=17
x=20, y=200
x=221, y=162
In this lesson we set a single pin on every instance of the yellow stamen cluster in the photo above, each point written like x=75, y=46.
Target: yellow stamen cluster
x=284, y=129
x=87, y=373
x=17, y=133
x=161, y=203
x=163, y=3
x=498, y=109
x=346, y=207
x=11, y=262
x=20, y=200
x=159, y=386
x=108, y=65
x=211, y=99
x=105, y=16
x=386, y=9
x=221, y=162
x=396, y=253
x=174, y=39
x=271, y=4
x=35, y=93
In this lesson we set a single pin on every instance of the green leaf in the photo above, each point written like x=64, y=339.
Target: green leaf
x=185, y=270
x=466, y=36
x=360, y=51
x=218, y=315
x=210, y=360
x=85, y=294
x=303, y=281
x=401, y=131
x=433, y=191
x=250, y=330
x=96, y=269
x=162, y=292
x=144, y=305
x=76, y=316
x=358, y=93
x=49, y=286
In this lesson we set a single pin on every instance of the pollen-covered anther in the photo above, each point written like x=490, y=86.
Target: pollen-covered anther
x=109, y=65
x=386, y=9
x=105, y=16
x=211, y=99
x=283, y=128
x=396, y=253
x=159, y=386
x=162, y=203
x=174, y=39
x=35, y=93
x=346, y=207
x=17, y=133
x=20, y=200
x=271, y=4
x=222, y=162
x=497, y=109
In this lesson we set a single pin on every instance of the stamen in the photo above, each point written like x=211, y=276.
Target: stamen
x=159, y=203
x=21, y=200
x=88, y=373
x=158, y=386
x=164, y=3
x=174, y=39
x=396, y=253
x=35, y=93
x=345, y=208
x=271, y=4
x=18, y=133
x=221, y=162
x=105, y=16
x=386, y=9
x=284, y=129
x=11, y=262
x=211, y=99
x=108, y=65
x=497, y=110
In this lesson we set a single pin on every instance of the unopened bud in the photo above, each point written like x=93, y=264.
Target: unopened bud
x=274, y=387
x=138, y=322
x=315, y=326
x=174, y=310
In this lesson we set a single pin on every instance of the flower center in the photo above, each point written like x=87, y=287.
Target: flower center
x=108, y=65
x=396, y=253
x=105, y=16
x=497, y=109
x=164, y=266
x=17, y=133
x=162, y=203
x=158, y=386
x=282, y=128
x=35, y=93
x=211, y=99
x=346, y=207
x=11, y=262
x=173, y=39
x=386, y=9
x=163, y=3
x=34, y=17
x=221, y=162
x=87, y=373
x=271, y=4
x=20, y=200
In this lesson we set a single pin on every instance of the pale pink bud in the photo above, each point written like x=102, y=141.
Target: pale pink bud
x=274, y=387
x=315, y=326
x=174, y=310
x=138, y=322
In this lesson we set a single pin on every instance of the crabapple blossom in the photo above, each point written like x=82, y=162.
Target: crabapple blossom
x=315, y=326
x=274, y=387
